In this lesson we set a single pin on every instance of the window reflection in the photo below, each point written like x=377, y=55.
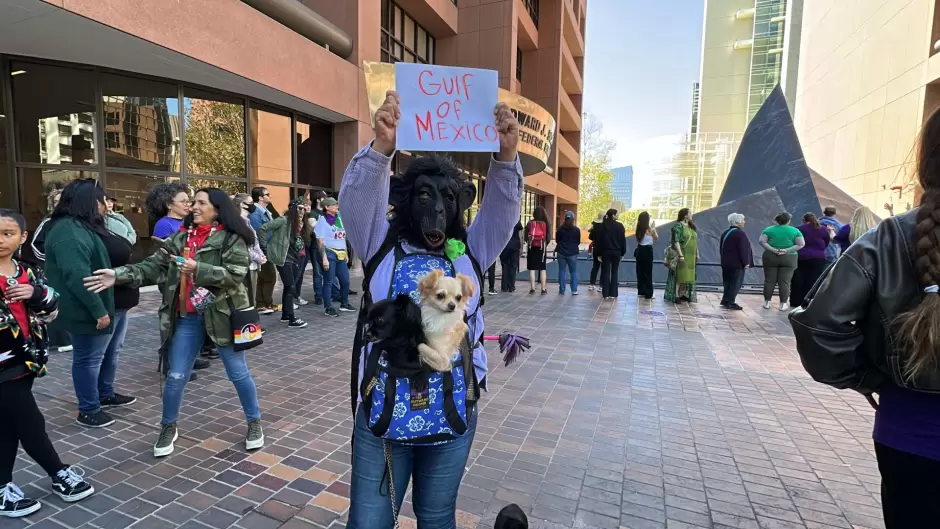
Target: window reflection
x=130, y=193
x=215, y=134
x=141, y=123
x=225, y=185
x=55, y=113
x=37, y=184
x=3, y=134
x=314, y=154
x=269, y=141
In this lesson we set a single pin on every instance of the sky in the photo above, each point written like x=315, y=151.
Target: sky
x=641, y=60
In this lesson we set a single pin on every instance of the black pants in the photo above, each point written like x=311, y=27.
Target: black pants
x=610, y=272
x=595, y=268
x=289, y=280
x=509, y=260
x=910, y=486
x=807, y=272
x=491, y=277
x=23, y=423
x=267, y=278
x=732, y=278
x=299, y=273
x=644, y=271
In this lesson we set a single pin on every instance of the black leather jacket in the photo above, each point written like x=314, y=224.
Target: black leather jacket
x=845, y=330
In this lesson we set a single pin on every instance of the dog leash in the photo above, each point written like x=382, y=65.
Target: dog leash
x=387, y=447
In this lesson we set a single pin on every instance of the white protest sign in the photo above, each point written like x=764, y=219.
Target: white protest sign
x=446, y=108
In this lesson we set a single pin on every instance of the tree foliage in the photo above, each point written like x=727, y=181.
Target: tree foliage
x=215, y=138
x=596, y=174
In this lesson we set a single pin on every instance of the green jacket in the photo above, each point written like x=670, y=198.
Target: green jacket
x=276, y=247
x=221, y=270
x=73, y=252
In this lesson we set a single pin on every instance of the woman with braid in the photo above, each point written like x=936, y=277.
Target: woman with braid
x=872, y=324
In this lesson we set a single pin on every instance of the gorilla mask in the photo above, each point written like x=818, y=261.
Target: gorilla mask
x=429, y=201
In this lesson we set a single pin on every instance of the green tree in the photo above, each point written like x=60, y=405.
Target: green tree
x=215, y=138
x=628, y=219
x=596, y=175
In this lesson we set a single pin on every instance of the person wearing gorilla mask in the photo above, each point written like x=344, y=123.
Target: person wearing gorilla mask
x=426, y=232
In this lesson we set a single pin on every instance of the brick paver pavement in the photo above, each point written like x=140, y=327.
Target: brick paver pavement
x=624, y=414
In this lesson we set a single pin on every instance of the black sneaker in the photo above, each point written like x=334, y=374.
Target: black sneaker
x=201, y=363
x=96, y=420
x=735, y=306
x=297, y=324
x=318, y=301
x=353, y=293
x=117, y=400
x=493, y=292
x=13, y=504
x=347, y=308
x=70, y=485
x=255, y=438
x=285, y=319
x=331, y=312
x=164, y=445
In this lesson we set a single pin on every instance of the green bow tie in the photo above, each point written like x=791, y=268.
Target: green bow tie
x=454, y=249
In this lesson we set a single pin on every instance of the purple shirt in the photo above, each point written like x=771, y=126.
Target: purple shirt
x=166, y=226
x=908, y=421
x=842, y=237
x=365, y=188
x=817, y=240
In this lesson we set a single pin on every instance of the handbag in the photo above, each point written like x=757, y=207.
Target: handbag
x=671, y=258
x=246, y=325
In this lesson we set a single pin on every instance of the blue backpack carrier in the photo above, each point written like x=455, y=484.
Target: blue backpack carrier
x=417, y=407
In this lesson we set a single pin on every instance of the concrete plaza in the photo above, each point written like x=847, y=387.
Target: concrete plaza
x=635, y=414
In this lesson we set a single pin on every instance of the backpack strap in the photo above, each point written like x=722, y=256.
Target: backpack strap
x=389, y=244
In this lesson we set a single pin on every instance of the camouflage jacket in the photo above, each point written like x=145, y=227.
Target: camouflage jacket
x=221, y=270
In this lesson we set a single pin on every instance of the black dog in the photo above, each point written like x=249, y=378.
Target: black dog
x=394, y=325
x=511, y=517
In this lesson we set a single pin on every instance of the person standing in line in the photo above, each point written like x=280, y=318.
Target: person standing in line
x=267, y=275
x=567, y=248
x=27, y=306
x=537, y=239
x=331, y=239
x=829, y=221
x=811, y=261
x=509, y=259
x=245, y=206
x=780, y=242
x=736, y=258
x=645, y=237
x=303, y=260
x=75, y=246
x=316, y=206
x=170, y=203
x=873, y=325
x=491, y=276
x=612, y=239
x=680, y=283
x=58, y=337
x=284, y=240
x=862, y=220
x=594, y=250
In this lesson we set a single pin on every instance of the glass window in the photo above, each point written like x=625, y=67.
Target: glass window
x=229, y=186
x=141, y=123
x=269, y=141
x=215, y=134
x=403, y=39
x=3, y=132
x=314, y=153
x=35, y=187
x=55, y=114
x=130, y=194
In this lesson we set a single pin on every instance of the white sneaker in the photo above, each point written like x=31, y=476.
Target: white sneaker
x=591, y=288
x=301, y=301
x=784, y=307
x=65, y=349
x=296, y=306
x=766, y=304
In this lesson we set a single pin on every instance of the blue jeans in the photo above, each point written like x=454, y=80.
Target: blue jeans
x=567, y=263
x=338, y=270
x=94, y=364
x=185, y=345
x=435, y=472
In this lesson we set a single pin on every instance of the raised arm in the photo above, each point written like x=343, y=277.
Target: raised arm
x=499, y=210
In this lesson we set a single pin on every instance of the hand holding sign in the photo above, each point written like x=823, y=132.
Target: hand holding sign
x=386, y=123
x=508, y=128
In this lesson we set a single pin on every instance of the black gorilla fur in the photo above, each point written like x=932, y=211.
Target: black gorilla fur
x=429, y=201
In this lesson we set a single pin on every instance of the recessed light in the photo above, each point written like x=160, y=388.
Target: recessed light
x=17, y=72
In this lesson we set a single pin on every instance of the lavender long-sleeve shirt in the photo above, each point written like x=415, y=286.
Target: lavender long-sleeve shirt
x=365, y=190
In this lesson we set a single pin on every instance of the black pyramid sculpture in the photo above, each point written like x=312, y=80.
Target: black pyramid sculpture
x=770, y=156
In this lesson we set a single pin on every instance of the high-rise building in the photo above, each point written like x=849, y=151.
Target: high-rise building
x=238, y=93
x=748, y=47
x=868, y=80
x=621, y=187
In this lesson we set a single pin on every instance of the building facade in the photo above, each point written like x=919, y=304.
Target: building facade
x=869, y=77
x=621, y=187
x=238, y=94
